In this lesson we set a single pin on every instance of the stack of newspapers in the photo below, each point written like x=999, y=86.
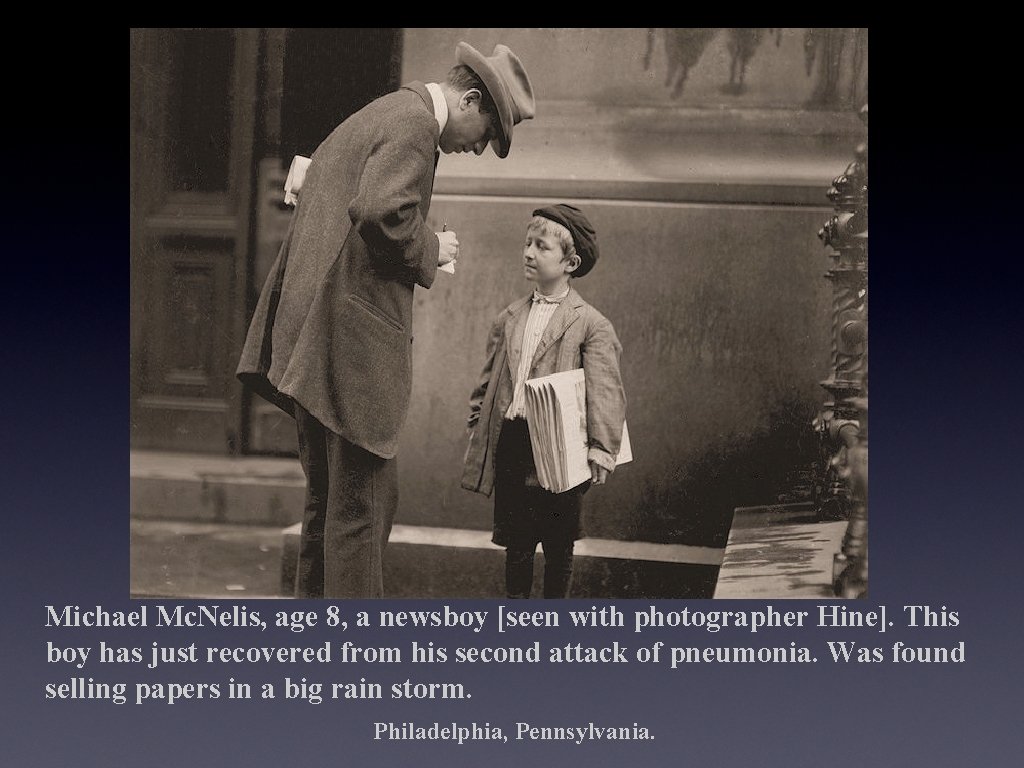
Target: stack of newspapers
x=556, y=410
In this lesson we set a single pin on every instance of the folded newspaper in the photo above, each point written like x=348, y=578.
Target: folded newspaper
x=296, y=176
x=556, y=410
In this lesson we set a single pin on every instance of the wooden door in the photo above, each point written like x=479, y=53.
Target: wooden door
x=193, y=100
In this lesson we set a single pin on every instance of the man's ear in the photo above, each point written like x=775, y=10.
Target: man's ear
x=573, y=263
x=470, y=97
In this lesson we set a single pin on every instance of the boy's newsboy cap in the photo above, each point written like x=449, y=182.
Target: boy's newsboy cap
x=584, y=237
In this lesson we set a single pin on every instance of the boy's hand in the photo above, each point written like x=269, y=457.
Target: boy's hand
x=598, y=474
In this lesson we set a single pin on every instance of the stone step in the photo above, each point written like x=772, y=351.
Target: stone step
x=252, y=490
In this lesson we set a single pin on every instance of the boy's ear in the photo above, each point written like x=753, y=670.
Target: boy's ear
x=573, y=263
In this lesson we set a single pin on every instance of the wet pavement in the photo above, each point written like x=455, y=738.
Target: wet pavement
x=779, y=555
x=200, y=560
x=204, y=560
x=216, y=527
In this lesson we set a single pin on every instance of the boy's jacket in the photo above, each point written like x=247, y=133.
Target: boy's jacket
x=577, y=336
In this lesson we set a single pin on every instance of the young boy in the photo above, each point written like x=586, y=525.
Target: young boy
x=549, y=331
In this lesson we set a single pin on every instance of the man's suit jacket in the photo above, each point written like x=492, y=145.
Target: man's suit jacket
x=332, y=328
x=576, y=336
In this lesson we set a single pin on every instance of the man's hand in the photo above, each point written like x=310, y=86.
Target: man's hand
x=598, y=474
x=448, y=247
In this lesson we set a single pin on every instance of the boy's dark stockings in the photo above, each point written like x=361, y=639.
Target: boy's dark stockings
x=557, y=570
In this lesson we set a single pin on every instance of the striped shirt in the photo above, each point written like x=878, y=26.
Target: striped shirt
x=541, y=310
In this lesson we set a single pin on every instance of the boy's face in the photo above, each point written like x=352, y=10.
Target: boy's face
x=544, y=261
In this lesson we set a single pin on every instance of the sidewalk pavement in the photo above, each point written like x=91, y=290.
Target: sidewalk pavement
x=202, y=560
x=183, y=559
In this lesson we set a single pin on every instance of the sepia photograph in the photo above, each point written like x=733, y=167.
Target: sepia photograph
x=499, y=313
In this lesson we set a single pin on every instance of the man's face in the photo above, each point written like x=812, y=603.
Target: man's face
x=467, y=130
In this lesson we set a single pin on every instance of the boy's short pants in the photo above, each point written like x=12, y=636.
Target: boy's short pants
x=525, y=515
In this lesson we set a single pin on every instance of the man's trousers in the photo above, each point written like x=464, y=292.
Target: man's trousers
x=351, y=499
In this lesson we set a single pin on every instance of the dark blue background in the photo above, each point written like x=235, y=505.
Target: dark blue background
x=945, y=501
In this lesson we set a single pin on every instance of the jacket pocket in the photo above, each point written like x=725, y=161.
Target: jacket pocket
x=377, y=312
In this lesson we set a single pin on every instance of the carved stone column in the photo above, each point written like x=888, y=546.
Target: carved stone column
x=842, y=423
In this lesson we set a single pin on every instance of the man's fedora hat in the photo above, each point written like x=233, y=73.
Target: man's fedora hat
x=507, y=82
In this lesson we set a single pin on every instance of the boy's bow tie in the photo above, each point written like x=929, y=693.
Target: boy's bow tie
x=540, y=298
